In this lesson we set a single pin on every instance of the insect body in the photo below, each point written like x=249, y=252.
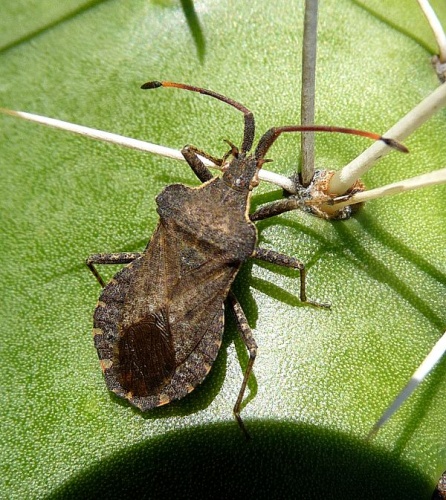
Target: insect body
x=159, y=322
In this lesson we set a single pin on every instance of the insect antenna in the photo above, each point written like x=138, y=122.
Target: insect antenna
x=268, y=139
x=248, y=134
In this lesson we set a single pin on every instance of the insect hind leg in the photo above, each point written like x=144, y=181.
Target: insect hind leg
x=109, y=258
x=246, y=335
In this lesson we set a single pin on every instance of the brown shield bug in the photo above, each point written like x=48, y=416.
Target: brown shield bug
x=158, y=324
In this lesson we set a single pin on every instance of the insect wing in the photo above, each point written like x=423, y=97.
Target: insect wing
x=159, y=343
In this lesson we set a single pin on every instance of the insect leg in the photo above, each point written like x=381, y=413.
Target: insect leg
x=275, y=208
x=246, y=334
x=292, y=203
x=109, y=258
x=291, y=262
x=200, y=170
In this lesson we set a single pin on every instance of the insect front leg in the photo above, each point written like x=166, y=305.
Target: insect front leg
x=109, y=258
x=246, y=334
x=191, y=153
x=291, y=262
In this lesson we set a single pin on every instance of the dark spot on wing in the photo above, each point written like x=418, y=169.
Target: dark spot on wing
x=145, y=358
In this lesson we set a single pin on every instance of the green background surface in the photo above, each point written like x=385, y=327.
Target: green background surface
x=322, y=378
